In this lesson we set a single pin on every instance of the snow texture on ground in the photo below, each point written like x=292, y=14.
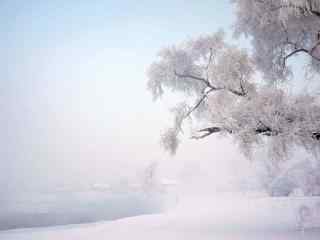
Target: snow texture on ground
x=227, y=218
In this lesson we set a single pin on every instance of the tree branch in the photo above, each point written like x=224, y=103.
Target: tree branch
x=294, y=52
x=198, y=103
x=261, y=130
x=313, y=11
x=209, y=62
x=303, y=10
x=316, y=13
x=302, y=50
x=238, y=93
x=210, y=59
x=210, y=86
x=205, y=95
x=208, y=131
x=316, y=135
x=201, y=79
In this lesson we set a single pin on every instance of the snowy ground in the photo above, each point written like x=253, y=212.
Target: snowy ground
x=227, y=218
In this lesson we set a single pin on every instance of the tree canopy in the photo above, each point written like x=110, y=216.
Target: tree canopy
x=222, y=91
x=280, y=29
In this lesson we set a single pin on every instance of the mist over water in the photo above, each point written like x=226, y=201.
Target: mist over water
x=62, y=208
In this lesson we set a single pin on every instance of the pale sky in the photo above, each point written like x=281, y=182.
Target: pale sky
x=73, y=89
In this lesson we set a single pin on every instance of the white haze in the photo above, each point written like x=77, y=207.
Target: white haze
x=75, y=110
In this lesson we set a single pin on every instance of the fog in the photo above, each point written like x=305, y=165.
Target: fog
x=75, y=109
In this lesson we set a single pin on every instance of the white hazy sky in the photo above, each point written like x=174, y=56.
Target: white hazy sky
x=74, y=103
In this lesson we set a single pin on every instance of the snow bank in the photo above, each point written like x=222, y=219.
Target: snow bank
x=228, y=218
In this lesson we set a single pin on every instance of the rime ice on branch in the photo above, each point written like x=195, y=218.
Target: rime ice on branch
x=218, y=83
x=280, y=30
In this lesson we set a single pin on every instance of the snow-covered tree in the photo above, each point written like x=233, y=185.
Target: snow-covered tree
x=280, y=30
x=223, y=93
x=300, y=176
x=222, y=96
